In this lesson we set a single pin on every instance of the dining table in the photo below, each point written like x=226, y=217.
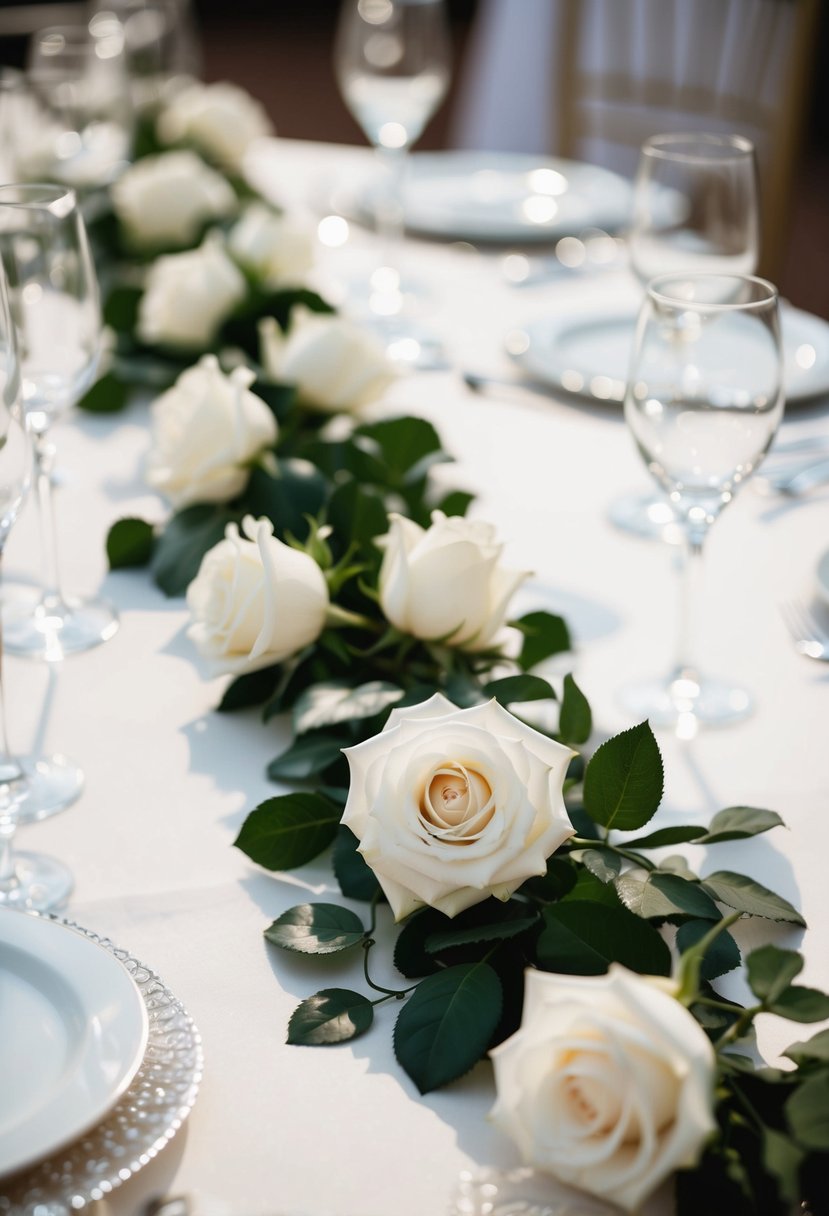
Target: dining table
x=342, y=1131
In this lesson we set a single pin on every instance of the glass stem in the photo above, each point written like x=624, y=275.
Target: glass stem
x=389, y=214
x=11, y=775
x=44, y=454
x=690, y=585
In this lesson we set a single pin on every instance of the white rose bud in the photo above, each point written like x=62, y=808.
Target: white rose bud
x=188, y=295
x=255, y=601
x=221, y=120
x=278, y=249
x=445, y=582
x=453, y=805
x=206, y=430
x=336, y=365
x=168, y=199
x=608, y=1083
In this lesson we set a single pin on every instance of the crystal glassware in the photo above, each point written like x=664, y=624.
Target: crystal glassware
x=392, y=62
x=703, y=403
x=695, y=209
x=55, y=306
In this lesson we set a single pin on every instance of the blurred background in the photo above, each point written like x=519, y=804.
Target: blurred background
x=282, y=53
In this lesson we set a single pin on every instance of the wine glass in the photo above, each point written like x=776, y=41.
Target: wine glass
x=161, y=43
x=695, y=208
x=54, y=300
x=704, y=400
x=392, y=64
x=27, y=880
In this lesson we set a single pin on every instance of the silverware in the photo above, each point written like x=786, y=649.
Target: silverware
x=793, y=481
x=810, y=638
x=480, y=382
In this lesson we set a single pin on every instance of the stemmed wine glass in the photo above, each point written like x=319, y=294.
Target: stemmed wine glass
x=54, y=300
x=695, y=209
x=703, y=403
x=392, y=62
x=27, y=880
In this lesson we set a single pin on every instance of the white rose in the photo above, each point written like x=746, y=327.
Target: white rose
x=221, y=119
x=206, y=430
x=608, y=1083
x=445, y=582
x=277, y=248
x=255, y=601
x=168, y=199
x=453, y=805
x=336, y=365
x=188, y=295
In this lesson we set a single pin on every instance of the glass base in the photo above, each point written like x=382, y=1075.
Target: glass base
x=647, y=515
x=40, y=884
x=52, y=784
x=686, y=703
x=52, y=631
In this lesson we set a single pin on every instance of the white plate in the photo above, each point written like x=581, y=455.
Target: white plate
x=507, y=198
x=822, y=577
x=589, y=354
x=73, y=1029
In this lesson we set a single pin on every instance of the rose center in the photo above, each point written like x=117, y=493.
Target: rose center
x=456, y=804
x=591, y=1103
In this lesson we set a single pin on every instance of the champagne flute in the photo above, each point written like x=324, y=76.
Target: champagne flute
x=703, y=403
x=695, y=209
x=55, y=305
x=392, y=64
x=27, y=880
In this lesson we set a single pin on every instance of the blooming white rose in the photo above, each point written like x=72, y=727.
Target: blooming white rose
x=188, y=295
x=608, y=1083
x=277, y=248
x=205, y=431
x=167, y=199
x=221, y=119
x=336, y=365
x=255, y=601
x=453, y=805
x=446, y=581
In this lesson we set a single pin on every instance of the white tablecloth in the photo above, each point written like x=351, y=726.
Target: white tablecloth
x=343, y=1130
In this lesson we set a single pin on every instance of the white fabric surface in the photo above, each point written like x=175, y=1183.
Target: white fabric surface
x=280, y=1129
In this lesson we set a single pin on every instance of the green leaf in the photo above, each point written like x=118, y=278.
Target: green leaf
x=410, y=957
x=816, y=1048
x=404, y=444
x=722, y=955
x=560, y=878
x=307, y=757
x=457, y=502
x=357, y=514
x=575, y=720
x=662, y=895
x=623, y=781
x=352, y=871
x=770, y=970
x=782, y=1159
x=745, y=895
x=108, y=395
x=285, y=832
x=588, y=887
x=739, y=822
x=330, y=703
x=666, y=836
x=519, y=688
x=296, y=492
x=333, y=1015
x=129, y=543
x=184, y=542
x=807, y=1112
x=801, y=1004
x=121, y=308
x=495, y=931
x=253, y=688
x=447, y=1024
x=583, y=938
x=604, y=863
x=279, y=398
x=316, y=929
x=544, y=635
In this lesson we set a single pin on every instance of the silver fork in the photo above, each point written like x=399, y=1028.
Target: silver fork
x=810, y=638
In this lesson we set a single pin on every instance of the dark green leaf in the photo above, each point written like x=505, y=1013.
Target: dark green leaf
x=801, y=1004
x=306, y=757
x=623, y=781
x=333, y=1015
x=663, y=895
x=816, y=1048
x=588, y=887
x=770, y=970
x=583, y=938
x=286, y=832
x=745, y=895
x=129, y=543
x=357, y=514
x=807, y=1112
x=456, y=503
x=410, y=957
x=297, y=491
x=604, y=863
x=316, y=929
x=447, y=1024
x=403, y=444
x=722, y=955
x=253, y=688
x=782, y=1159
x=544, y=635
x=279, y=398
x=560, y=878
x=121, y=308
x=739, y=822
x=355, y=876
x=495, y=931
x=107, y=396
x=666, y=836
x=576, y=720
x=518, y=688
x=328, y=704
x=184, y=542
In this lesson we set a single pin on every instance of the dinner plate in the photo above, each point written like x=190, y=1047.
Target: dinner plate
x=505, y=198
x=589, y=354
x=73, y=1030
